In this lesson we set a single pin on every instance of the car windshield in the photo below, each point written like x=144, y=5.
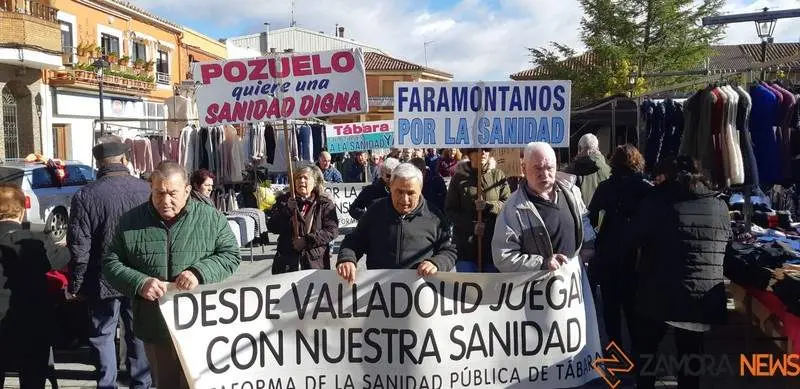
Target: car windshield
x=11, y=175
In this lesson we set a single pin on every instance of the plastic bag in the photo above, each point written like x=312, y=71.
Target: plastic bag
x=265, y=197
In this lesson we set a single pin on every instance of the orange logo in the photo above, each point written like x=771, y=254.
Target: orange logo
x=617, y=362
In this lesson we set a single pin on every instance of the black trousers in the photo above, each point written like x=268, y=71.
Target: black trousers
x=649, y=335
x=618, y=294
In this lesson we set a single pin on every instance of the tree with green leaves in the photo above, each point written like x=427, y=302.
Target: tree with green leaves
x=628, y=37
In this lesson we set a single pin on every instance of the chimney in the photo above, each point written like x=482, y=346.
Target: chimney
x=341, y=31
x=263, y=41
x=336, y=30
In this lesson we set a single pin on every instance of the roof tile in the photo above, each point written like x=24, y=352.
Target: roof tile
x=380, y=62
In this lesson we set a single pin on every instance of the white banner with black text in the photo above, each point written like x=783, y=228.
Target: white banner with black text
x=391, y=329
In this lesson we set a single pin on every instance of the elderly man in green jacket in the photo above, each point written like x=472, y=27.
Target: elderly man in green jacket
x=169, y=239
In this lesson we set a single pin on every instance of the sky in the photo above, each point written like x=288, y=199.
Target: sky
x=475, y=40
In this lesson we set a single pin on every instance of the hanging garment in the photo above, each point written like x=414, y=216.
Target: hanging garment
x=186, y=152
x=177, y=107
x=304, y=145
x=232, y=147
x=143, y=155
x=157, y=150
x=269, y=143
x=788, y=104
x=734, y=169
x=673, y=129
x=317, y=139
x=745, y=141
x=763, y=133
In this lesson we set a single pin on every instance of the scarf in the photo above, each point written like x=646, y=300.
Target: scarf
x=202, y=198
x=112, y=170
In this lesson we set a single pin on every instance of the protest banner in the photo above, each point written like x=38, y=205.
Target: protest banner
x=509, y=161
x=343, y=195
x=362, y=136
x=282, y=86
x=391, y=329
x=481, y=114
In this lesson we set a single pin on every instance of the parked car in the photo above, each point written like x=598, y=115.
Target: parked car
x=46, y=201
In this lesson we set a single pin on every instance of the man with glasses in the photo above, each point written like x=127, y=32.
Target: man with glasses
x=375, y=191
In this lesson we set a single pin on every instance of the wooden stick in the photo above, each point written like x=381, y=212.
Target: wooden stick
x=479, y=196
x=292, y=194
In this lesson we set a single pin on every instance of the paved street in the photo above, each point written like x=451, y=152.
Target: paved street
x=74, y=370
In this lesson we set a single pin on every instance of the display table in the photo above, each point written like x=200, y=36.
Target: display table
x=770, y=315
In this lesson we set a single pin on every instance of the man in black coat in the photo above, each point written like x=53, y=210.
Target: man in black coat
x=94, y=214
x=400, y=232
x=377, y=190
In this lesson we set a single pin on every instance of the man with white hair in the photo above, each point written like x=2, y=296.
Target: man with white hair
x=589, y=166
x=400, y=232
x=541, y=225
x=374, y=191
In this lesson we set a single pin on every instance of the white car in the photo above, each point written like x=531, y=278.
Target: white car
x=46, y=201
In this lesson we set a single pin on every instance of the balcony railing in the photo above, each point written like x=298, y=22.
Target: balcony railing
x=381, y=101
x=33, y=8
x=86, y=77
x=163, y=78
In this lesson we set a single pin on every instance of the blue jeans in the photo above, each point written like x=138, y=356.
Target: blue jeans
x=304, y=143
x=472, y=267
x=106, y=314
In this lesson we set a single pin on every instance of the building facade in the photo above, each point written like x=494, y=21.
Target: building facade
x=30, y=42
x=51, y=100
x=382, y=69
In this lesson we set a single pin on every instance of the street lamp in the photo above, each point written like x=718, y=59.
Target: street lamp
x=764, y=29
x=99, y=65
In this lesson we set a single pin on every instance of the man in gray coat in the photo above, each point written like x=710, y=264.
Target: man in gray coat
x=542, y=225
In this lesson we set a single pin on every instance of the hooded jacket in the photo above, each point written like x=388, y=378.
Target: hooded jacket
x=590, y=170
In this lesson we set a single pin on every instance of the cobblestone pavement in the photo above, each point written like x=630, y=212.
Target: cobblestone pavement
x=74, y=369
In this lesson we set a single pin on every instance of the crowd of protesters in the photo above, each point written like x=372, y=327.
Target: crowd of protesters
x=130, y=240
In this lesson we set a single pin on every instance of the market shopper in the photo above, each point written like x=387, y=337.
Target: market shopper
x=399, y=232
x=306, y=224
x=680, y=279
x=329, y=172
x=202, y=186
x=448, y=162
x=463, y=204
x=613, y=206
x=590, y=166
x=356, y=170
x=375, y=191
x=202, y=250
x=434, y=189
x=541, y=224
x=29, y=324
x=94, y=213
